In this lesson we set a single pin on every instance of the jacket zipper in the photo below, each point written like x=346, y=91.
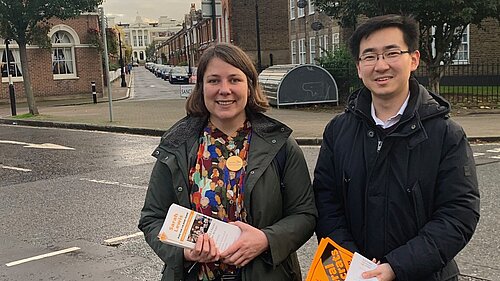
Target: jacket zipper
x=379, y=144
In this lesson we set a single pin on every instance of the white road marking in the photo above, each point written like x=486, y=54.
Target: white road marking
x=15, y=168
x=124, y=237
x=476, y=154
x=494, y=150
x=495, y=157
x=115, y=183
x=37, y=145
x=43, y=256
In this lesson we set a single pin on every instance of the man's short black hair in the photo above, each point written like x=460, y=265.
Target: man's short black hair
x=406, y=24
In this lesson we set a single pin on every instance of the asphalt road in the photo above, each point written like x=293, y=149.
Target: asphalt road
x=66, y=189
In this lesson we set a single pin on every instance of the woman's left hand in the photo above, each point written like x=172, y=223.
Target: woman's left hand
x=252, y=242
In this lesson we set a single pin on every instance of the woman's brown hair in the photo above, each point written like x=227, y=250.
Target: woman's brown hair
x=236, y=57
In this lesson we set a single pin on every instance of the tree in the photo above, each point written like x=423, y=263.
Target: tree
x=441, y=22
x=27, y=22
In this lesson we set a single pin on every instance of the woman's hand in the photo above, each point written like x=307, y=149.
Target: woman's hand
x=252, y=242
x=204, y=250
x=383, y=272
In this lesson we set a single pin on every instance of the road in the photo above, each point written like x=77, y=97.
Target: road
x=74, y=190
x=149, y=87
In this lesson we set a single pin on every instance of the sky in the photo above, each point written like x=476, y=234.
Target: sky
x=125, y=11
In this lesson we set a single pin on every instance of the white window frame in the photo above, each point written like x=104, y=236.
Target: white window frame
x=74, y=40
x=292, y=9
x=463, y=48
x=302, y=51
x=301, y=12
x=310, y=7
x=335, y=41
x=14, y=50
x=293, y=51
x=312, y=50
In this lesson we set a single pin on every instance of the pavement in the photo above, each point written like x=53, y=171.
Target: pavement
x=152, y=117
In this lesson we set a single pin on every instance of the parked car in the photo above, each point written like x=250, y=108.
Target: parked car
x=178, y=74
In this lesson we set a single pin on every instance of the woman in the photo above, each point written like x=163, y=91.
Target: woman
x=218, y=160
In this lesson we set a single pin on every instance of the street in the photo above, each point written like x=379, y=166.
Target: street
x=81, y=192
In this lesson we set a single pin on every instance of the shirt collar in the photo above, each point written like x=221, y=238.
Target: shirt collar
x=392, y=120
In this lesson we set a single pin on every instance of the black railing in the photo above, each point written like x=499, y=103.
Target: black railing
x=473, y=84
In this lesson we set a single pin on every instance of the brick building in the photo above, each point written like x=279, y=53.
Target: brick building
x=236, y=24
x=68, y=68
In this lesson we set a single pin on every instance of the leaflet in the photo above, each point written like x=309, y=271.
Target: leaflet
x=182, y=227
x=330, y=262
x=360, y=264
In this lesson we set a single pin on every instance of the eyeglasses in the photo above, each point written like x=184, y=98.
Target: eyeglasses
x=390, y=56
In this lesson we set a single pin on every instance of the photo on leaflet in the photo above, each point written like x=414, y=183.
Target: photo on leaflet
x=200, y=226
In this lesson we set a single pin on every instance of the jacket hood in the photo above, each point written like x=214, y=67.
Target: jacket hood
x=421, y=102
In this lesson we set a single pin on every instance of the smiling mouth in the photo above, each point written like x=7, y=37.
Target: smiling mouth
x=221, y=102
x=381, y=79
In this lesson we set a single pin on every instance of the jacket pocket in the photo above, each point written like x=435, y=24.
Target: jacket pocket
x=418, y=204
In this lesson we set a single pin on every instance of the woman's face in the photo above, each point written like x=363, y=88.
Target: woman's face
x=225, y=93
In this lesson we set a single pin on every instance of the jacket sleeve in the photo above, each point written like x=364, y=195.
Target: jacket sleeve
x=453, y=221
x=332, y=221
x=160, y=195
x=299, y=211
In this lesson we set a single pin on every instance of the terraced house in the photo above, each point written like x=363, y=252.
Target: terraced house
x=68, y=66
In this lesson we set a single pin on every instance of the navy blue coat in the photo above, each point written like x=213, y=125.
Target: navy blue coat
x=408, y=196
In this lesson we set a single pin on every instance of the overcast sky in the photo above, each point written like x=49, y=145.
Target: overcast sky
x=125, y=11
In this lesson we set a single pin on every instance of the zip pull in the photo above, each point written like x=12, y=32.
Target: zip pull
x=379, y=145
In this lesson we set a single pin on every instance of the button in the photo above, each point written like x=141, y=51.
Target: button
x=156, y=153
x=179, y=188
x=252, y=172
x=371, y=134
x=413, y=127
x=282, y=129
x=273, y=141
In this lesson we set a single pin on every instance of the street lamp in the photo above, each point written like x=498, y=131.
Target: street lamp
x=12, y=93
x=124, y=83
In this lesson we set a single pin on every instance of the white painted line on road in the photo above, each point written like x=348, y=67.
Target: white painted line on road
x=43, y=256
x=15, y=168
x=495, y=157
x=495, y=150
x=115, y=183
x=37, y=145
x=116, y=239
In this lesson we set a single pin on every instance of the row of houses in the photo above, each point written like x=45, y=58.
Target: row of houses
x=289, y=31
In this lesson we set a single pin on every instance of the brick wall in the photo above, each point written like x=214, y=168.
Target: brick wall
x=273, y=19
x=88, y=65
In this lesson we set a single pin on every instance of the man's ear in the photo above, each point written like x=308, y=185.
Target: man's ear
x=415, y=60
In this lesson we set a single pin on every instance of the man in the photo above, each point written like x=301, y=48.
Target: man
x=395, y=178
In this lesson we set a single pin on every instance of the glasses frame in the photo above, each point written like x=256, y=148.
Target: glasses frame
x=384, y=55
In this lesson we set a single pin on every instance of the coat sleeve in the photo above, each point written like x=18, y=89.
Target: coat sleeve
x=328, y=193
x=160, y=195
x=299, y=211
x=453, y=221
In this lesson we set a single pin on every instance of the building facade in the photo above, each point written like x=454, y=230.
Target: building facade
x=67, y=68
x=140, y=34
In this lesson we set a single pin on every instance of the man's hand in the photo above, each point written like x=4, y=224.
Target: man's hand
x=252, y=242
x=204, y=250
x=383, y=272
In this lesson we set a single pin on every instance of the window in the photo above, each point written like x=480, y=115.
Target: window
x=323, y=45
x=335, y=41
x=462, y=55
x=310, y=7
x=140, y=41
x=146, y=40
x=293, y=49
x=312, y=50
x=63, y=62
x=302, y=51
x=15, y=64
x=292, y=9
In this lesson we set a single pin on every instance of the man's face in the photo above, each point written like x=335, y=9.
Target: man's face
x=387, y=80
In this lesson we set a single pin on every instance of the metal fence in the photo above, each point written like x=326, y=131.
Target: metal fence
x=472, y=84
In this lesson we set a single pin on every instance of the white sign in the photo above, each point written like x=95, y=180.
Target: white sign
x=186, y=90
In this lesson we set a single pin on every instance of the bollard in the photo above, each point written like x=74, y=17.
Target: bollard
x=94, y=94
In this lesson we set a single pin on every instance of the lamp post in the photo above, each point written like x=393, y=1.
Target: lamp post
x=122, y=75
x=12, y=93
x=257, y=29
